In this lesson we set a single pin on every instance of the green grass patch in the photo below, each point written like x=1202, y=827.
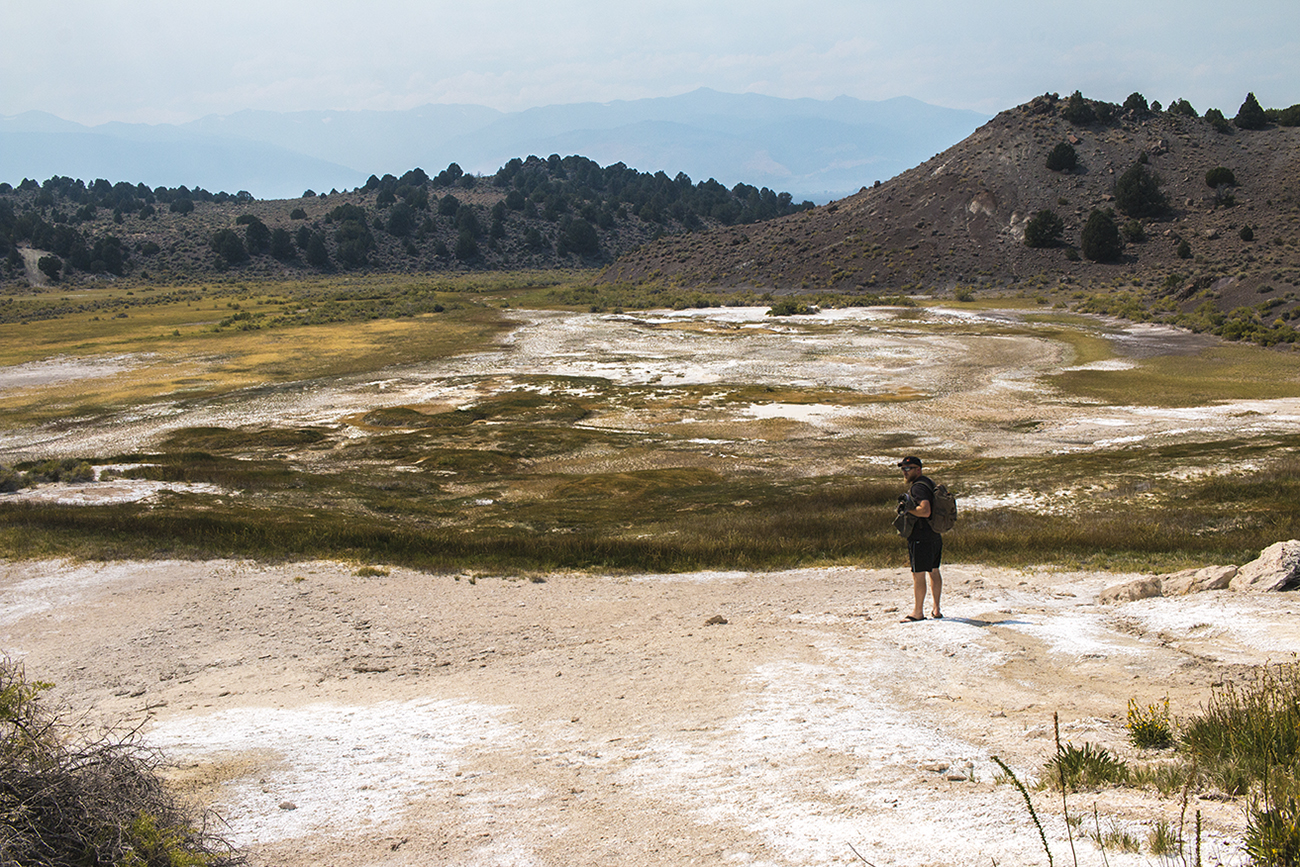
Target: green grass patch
x=1227, y=373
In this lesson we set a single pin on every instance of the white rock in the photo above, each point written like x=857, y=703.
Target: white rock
x=1196, y=580
x=1143, y=588
x=1276, y=568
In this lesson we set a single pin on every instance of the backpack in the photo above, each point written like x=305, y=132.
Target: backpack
x=943, y=510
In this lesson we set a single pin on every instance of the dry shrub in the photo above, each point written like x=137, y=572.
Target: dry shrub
x=64, y=801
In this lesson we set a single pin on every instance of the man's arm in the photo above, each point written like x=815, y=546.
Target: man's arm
x=922, y=507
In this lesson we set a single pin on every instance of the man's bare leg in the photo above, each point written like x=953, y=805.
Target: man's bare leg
x=936, y=588
x=918, y=592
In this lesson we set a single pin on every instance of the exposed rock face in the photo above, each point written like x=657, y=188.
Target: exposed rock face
x=1276, y=568
x=1143, y=588
x=1196, y=580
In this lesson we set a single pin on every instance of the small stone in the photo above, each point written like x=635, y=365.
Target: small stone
x=716, y=620
x=956, y=777
x=935, y=767
x=288, y=805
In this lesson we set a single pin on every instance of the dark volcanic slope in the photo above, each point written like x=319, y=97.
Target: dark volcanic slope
x=959, y=218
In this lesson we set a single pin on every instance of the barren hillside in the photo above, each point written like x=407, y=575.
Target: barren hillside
x=959, y=218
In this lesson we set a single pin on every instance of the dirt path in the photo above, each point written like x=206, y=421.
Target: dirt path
x=415, y=719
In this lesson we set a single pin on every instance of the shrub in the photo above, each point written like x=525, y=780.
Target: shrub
x=65, y=470
x=256, y=234
x=101, y=802
x=297, y=214
x=1136, y=103
x=11, y=480
x=1182, y=107
x=1077, y=110
x=1137, y=193
x=1218, y=121
x=466, y=246
x=1246, y=233
x=790, y=307
x=1184, y=249
x=1044, y=229
x=1220, y=177
x=227, y=244
x=1100, y=240
x=1134, y=232
x=50, y=266
x=1148, y=727
x=282, y=247
x=1250, y=115
x=1063, y=158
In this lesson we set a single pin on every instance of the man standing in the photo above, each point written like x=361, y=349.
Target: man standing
x=924, y=545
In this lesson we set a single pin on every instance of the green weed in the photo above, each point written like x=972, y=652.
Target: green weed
x=1086, y=767
x=1116, y=837
x=1149, y=727
x=1162, y=839
x=1254, y=726
x=1273, y=832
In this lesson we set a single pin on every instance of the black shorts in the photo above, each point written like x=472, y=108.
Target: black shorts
x=924, y=551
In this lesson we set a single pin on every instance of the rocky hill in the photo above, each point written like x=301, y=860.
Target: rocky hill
x=536, y=213
x=958, y=221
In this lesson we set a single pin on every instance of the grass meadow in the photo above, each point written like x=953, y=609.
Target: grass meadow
x=511, y=483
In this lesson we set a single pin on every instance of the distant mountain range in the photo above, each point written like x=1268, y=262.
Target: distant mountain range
x=814, y=149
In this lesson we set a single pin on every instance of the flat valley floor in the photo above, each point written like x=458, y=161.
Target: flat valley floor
x=409, y=718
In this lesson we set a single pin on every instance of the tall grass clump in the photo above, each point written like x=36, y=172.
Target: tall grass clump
x=1248, y=741
x=65, y=803
x=1087, y=767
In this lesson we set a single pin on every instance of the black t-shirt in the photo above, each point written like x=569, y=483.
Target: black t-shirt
x=922, y=489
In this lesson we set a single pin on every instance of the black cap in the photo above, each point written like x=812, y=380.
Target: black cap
x=910, y=461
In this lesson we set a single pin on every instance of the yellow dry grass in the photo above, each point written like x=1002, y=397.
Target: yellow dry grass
x=203, y=363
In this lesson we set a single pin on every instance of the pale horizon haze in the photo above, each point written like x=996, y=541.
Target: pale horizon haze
x=96, y=61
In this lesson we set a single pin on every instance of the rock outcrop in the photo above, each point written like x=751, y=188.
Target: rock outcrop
x=1196, y=580
x=1276, y=568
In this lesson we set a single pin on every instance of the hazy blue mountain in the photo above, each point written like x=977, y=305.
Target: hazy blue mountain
x=371, y=142
x=817, y=149
x=38, y=145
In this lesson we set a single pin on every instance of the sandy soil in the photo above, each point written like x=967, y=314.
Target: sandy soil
x=409, y=718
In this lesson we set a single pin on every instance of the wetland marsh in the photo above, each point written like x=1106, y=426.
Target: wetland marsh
x=508, y=583
x=480, y=425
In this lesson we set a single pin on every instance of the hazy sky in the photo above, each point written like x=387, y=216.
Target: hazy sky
x=175, y=60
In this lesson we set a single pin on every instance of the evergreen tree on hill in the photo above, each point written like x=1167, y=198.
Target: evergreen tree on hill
x=1137, y=193
x=1100, y=240
x=1251, y=115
